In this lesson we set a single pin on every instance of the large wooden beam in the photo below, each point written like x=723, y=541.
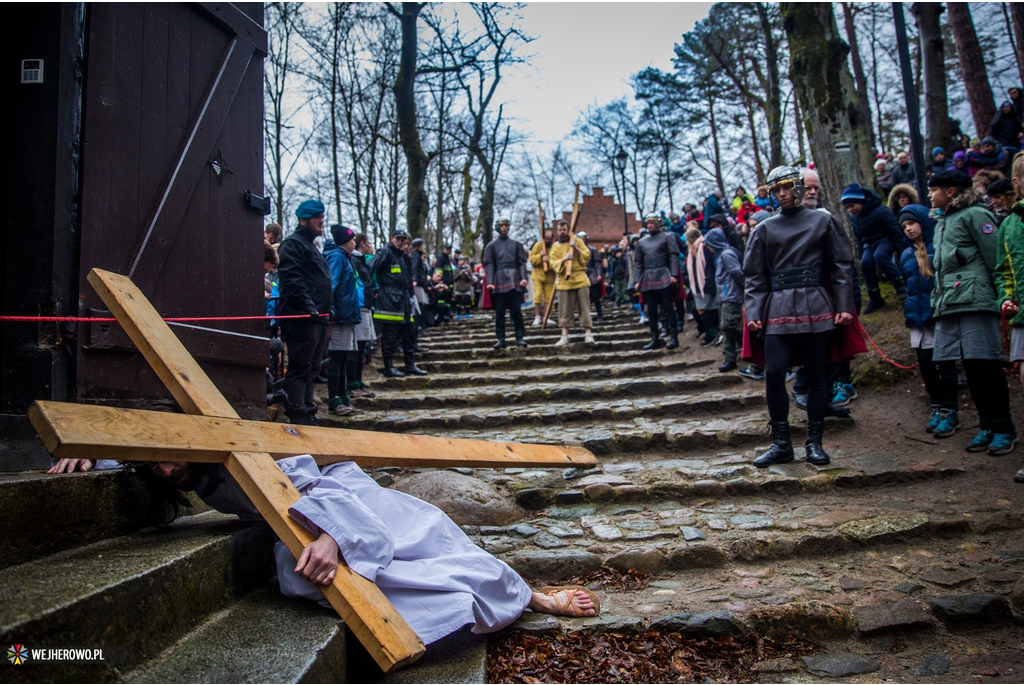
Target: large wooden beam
x=81, y=431
x=364, y=608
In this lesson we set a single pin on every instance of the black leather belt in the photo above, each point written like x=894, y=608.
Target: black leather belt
x=507, y=264
x=797, y=277
x=656, y=264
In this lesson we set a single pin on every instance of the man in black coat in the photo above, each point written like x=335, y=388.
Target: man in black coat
x=305, y=286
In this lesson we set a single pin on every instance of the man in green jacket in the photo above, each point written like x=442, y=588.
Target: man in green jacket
x=966, y=307
x=1009, y=274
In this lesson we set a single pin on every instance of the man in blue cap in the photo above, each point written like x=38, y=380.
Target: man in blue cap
x=305, y=284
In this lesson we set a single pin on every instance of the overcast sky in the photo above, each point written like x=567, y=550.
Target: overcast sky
x=584, y=53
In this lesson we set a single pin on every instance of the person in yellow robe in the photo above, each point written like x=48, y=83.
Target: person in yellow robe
x=573, y=288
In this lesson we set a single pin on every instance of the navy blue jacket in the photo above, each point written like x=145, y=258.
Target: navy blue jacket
x=917, y=308
x=303, y=276
x=711, y=207
x=875, y=223
x=344, y=295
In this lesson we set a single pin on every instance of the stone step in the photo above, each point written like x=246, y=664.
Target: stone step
x=263, y=638
x=508, y=395
x=626, y=413
x=106, y=504
x=602, y=344
x=634, y=335
x=132, y=595
x=545, y=374
x=484, y=334
x=503, y=362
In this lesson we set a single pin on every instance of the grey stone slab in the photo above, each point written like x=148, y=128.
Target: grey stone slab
x=903, y=616
x=609, y=624
x=547, y=541
x=570, y=497
x=796, y=469
x=591, y=521
x=715, y=624
x=637, y=524
x=606, y=532
x=523, y=530
x=933, y=665
x=530, y=622
x=752, y=522
x=840, y=665
x=980, y=607
x=717, y=524
x=877, y=464
x=548, y=564
x=565, y=531
x=690, y=534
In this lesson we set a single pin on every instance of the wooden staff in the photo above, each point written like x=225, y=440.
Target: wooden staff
x=543, y=245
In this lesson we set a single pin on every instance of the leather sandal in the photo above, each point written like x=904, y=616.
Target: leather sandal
x=564, y=603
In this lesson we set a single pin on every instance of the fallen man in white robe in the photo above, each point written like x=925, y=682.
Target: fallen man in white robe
x=425, y=565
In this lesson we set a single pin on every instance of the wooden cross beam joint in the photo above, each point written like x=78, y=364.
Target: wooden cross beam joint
x=213, y=432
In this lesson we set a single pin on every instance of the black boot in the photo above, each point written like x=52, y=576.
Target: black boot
x=389, y=369
x=815, y=452
x=781, y=451
x=411, y=369
x=520, y=341
x=673, y=341
x=499, y=345
x=655, y=344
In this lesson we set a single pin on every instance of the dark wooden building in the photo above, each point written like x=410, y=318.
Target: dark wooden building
x=137, y=147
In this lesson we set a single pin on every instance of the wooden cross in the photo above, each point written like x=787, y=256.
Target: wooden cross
x=213, y=432
x=568, y=265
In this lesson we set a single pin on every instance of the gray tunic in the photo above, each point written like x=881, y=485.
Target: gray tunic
x=594, y=267
x=789, y=240
x=657, y=261
x=505, y=264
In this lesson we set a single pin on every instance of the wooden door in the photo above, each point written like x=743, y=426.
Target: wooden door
x=172, y=141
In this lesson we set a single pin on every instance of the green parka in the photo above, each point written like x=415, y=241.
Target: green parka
x=1009, y=272
x=966, y=241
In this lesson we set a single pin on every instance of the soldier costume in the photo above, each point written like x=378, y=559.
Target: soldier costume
x=657, y=277
x=798, y=268
x=505, y=266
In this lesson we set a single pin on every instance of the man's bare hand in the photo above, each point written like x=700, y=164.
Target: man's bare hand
x=844, y=319
x=318, y=562
x=754, y=325
x=567, y=257
x=70, y=466
x=673, y=280
x=522, y=283
x=490, y=286
x=1010, y=308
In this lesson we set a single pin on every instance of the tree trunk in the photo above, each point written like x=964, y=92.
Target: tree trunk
x=335, y=137
x=416, y=159
x=774, y=109
x=972, y=67
x=840, y=142
x=936, y=106
x=858, y=73
x=714, y=141
x=1017, y=19
x=798, y=122
x=754, y=142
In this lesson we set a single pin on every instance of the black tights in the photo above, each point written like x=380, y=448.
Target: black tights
x=813, y=351
x=354, y=367
x=991, y=394
x=939, y=379
x=336, y=386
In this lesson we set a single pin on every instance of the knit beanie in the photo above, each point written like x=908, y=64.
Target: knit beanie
x=854, y=195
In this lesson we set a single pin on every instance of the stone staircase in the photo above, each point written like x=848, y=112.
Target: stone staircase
x=902, y=550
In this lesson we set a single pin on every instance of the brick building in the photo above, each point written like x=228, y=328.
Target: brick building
x=602, y=220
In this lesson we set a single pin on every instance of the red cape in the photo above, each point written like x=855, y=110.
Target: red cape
x=845, y=343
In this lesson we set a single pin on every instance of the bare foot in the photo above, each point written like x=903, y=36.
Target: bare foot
x=567, y=601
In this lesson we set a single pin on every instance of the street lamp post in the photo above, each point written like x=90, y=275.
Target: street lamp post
x=620, y=163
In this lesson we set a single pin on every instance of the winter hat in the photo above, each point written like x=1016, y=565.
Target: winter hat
x=989, y=140
x=937, y=151
x=854, y=195
x=715, y=238
x=719, y=219
x=341, y=234
x=999, y=186
x=760, y=216
x=310, y=209
x=950, y=178
x=959, y=155
x=1006, y=103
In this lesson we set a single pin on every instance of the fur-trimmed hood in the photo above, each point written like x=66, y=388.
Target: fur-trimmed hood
x=903, y=188
x=968, y=198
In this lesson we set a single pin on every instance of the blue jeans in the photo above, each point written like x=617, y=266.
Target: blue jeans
x=878, y=255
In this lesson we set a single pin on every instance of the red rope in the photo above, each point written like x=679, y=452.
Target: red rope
x=879, y=351
x=179, y=319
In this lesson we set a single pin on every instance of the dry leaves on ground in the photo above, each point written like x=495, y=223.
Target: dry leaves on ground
x=653, y=657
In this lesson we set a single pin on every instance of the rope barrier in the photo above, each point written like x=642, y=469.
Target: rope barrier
x=879, y=350
x=181, y=319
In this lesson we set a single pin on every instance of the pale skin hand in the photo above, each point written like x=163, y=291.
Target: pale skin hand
x=70, y=466
x=318, y=562
x=1010, y=308
x=841, y=319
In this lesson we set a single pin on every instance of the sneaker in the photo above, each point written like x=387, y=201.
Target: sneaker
x=1019, y=476
x=1002, y=443
x=948, y=423
x=719, y=340
x=981, y=441
x=589, y=338
x=751, y=374
x=342, y=410
x=362, y=392
x=707, y=342
x=790, y=375
x=563, y=341
x=844, y=394
x=934, y=420
x=536, y=321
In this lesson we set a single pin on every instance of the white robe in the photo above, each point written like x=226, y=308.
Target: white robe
x=431, y=572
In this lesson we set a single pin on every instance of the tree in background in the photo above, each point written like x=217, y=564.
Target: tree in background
x=933, y=49
x=972, y=66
